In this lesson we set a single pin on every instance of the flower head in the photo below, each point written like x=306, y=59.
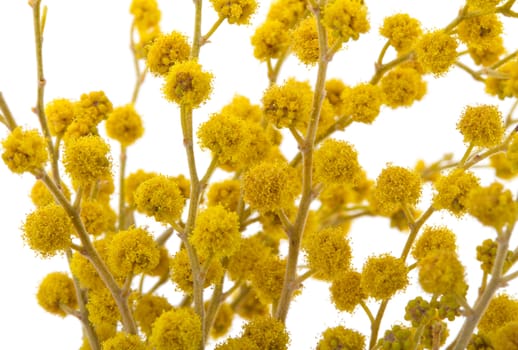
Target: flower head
x=187, y=84
x=59, y=113
x=24, y=150
x=270, y=40
x=328, y=252
x=57, y=290
x=270, y=186
x=124, y=341
x=346, y=19
x=124, y=124
x=167, y=50
x=436, y=51
x=336, y=162
x=148, y=308
x=160, y=197
x=434, y=238
x=492, y=205
x=216, y=232
x=395, y=187
x=47, y=230
x=132, y=251
x=453, y=190
x=362, y=102
x=288, y=105
x=346, y=290
x=502, y=309
x=481, y=125
x=235, y=11
x=267, y=333
x=401, y=30
x=441, y=272
x=382, y=276
x=402, y=86
x=86, y=159
x=177, y=329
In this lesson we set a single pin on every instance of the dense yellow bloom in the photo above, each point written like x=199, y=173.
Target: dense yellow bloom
x=346, y=19
x=124, y=341
x=237, y=344
x=270, y=40
x=288, y=12
x=181, y=271
x=267, y=333
x=222, y=321
x=436, y=51
x=486, y=254
x=492, y=205
x=133, y=181
x=24, y=150
x=161, y=198
x=56, y=290
x=147, y=309
x=396, y=186
x=243, y=262
x=268, y=277
x=434, y=238
x=506, y=337
x=177, y=329
x=236, y=142
x=270, y=186
x=489, y=54
x=288, y=105
x=341, y=338
x=47, y=230
x=167, y=50
x=441, y=272
x=235, y=11
x=94, y=105
x=453, y=189
x=84, y=271
x=216, y=233
x=102, y=308
x=481, y=125
x=402, y=86
x=305, y=44
x=146, y=14
x=328, y=252
x=187, y=84
x=97, y=217
x=41, y=196
x=132, y=251
x=226, y=193
x=506, y=84
x=124, y=124
x=87, y=159
x=401, y=30
x=382, y=276
x=336, y=162
x=162, y=268
x=59, y=113
x=362, y=102
x=346, y=290
x=502, y=310
x=241, y=107
x=480, y=31
x=505, y=167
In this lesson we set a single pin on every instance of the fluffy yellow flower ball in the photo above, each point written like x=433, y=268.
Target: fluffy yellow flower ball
x=177, y=329
x=57, y=290
x=124, y=124
x=186, y=84
x=24, y=150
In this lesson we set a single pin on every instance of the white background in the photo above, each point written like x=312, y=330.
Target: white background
x=86, y=48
